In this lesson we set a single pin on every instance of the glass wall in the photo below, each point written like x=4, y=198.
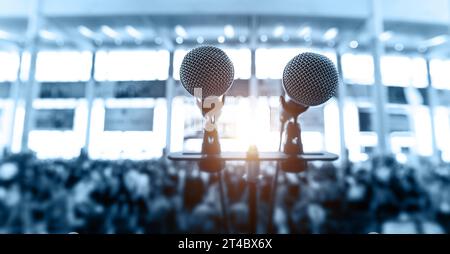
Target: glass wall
x=63, y=77
x=59, y=117
x=132, y=65
x=129, y=112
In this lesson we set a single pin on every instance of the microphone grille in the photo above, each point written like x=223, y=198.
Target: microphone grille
x=310, y=79
x=209, y=68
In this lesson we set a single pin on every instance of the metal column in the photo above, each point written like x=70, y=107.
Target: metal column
x=342, y=91
x=15, y=96
x=253, y=86
x=380, y=94
x=432, y=99
x=170, y=87
x=34, y=23
x=90, y=96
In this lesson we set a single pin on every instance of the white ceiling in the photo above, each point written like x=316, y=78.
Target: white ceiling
x=411, y=22
x=429, y=11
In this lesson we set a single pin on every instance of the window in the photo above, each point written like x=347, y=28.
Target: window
x=419, y=74
x=124, y=65
x=25, y=66
x=270, y=63
x=365, y=121
x=397, y=95
x=357, y=68
x=63, y=66
x=177, y=60
x=9, y=62
x=54, y=119
x=439, y=73
x=241, y=59
x=404, y=71
x=399, y=122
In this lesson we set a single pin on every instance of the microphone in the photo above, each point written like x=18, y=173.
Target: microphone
x=207, y=68
x=207, y=73
x=309, y=79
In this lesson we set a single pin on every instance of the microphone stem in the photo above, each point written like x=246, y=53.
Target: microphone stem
x=223, y=204
x=270, y=229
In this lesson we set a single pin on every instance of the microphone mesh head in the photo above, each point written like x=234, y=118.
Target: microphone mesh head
x=310, y=79
x=209, y=68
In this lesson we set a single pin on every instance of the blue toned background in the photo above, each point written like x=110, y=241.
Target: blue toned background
x=90, y=103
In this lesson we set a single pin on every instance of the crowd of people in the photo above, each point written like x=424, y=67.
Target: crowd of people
x=160, y=196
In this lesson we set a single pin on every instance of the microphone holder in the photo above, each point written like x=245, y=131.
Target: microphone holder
x=293, y=142
x=211, y=146
x=292, y=147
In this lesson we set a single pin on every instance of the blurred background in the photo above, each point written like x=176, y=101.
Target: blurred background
x=90, y=104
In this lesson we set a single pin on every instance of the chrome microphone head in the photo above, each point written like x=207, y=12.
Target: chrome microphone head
x=310, y=79
x=208, y=68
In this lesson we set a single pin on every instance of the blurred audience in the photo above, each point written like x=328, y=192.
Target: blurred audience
x=159, y=196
